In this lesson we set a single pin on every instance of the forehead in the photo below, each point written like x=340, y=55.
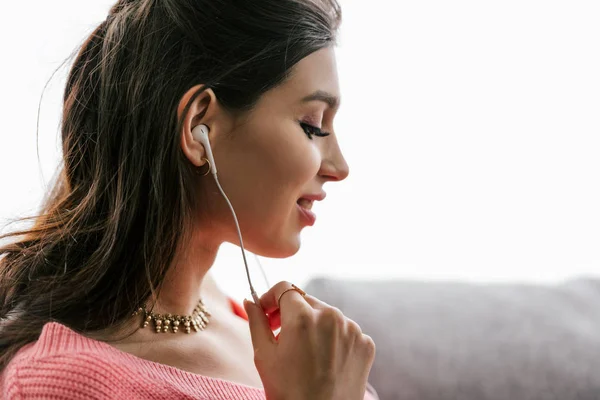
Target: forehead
x=315, y=72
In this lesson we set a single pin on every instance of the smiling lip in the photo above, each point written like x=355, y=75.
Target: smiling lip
x=307, y=215
x=314, y=197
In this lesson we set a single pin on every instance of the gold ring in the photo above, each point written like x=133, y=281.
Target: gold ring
x=294, y=287
x=204, y=158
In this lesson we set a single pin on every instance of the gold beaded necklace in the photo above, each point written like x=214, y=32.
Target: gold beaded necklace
x=162, y=323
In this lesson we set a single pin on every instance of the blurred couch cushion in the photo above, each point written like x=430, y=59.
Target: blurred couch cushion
x=442, y=340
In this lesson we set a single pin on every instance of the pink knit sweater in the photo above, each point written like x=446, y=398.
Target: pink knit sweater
x=63, y=364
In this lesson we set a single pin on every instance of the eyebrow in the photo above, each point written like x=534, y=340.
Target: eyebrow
x=320, y=95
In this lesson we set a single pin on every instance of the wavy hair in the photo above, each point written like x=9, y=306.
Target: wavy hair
x=120, y=205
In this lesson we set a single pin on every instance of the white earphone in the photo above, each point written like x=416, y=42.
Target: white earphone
x=200, y=133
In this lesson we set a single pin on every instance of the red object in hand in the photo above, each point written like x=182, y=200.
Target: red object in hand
x=274, y=319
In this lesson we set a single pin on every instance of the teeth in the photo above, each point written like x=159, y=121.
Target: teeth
x=305, y=203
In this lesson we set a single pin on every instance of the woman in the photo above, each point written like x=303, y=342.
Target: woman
x=109, y=294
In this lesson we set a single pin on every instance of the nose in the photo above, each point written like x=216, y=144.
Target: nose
x=334, y=166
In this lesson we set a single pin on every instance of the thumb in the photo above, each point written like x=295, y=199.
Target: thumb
x=260, y=330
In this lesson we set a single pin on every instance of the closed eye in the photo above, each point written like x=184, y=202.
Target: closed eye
x=312, y=130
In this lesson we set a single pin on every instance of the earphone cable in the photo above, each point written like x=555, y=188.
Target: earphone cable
x=252, y=291
x=262, y=270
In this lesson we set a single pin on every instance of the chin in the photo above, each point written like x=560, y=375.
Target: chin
x=280, y=248
x=286, y=252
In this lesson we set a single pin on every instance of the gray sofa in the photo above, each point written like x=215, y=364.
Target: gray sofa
x=445, y=340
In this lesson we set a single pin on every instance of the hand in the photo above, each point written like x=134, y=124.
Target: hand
x=319, y=353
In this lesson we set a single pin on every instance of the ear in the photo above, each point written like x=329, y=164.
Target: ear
x=204, y=109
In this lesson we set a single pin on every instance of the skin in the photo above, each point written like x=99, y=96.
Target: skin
x=265, y=164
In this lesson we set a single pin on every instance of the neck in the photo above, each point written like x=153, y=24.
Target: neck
x=186, y=281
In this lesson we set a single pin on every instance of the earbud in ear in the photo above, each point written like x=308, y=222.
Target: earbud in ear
x=200, y=133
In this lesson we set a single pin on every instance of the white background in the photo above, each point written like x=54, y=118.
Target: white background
x=472, y=130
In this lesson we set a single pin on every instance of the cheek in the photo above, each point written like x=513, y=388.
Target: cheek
x=311, y=162
x=296, y=165
x=271, y=169
x=286, y=171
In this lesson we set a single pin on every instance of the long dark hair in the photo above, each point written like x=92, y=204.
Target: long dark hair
x=121, y=202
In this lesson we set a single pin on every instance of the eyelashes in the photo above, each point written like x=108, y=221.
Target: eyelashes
x=312, y=130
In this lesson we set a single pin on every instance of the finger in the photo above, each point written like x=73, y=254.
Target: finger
x=293, y=305
x=294, y=310
x=260, y=331
x=268, y=301
x=316, y=303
